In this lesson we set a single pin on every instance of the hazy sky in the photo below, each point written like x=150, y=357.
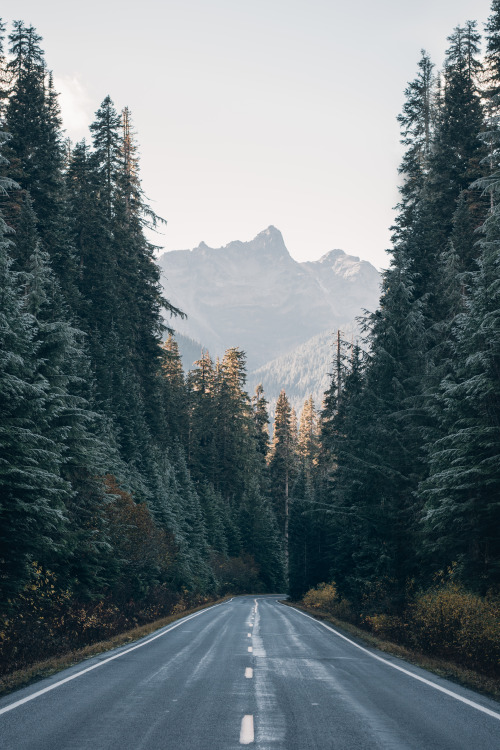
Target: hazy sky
x=253, y=113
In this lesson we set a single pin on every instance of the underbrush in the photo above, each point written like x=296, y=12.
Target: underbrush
x=13, y=680
x=446, y=621
x=326, y=599
x=48, y=621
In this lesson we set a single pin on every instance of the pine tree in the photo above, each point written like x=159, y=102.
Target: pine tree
x=36, y=153
x=106, y=139
x=416, y=123
x=26, y=235
x=443, y=157
x=306, y=527
x=70, y=422
x=217, y=520
x=492, y=57
x=376, y=451
x=91, y=235
x=461, y=509
x=457, y=151
x=32, y=489
x=261, y=537
x=26, y=106
x=281, y=468
x=308, y=558
x=4, y=79
x=233, y=427
x=192, y=537
x=261, y=420
x=174, y=393
x=308, y=444
x=202, y=457
x=491, y=93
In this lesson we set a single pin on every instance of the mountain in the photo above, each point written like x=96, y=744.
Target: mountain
x=254, y=295
x=303, y=372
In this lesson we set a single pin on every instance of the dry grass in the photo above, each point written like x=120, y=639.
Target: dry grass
x=39, y=670
x=447, y=669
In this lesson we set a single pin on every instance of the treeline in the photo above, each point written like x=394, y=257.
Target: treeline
x=125, y=488
x=404, y=487
x=128, y=489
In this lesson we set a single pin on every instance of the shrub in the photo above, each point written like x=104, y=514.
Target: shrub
x=48, y=620
x=446, y=621
x=322, y=597
x=452, y=622
x=387, y=626
x=325, y=598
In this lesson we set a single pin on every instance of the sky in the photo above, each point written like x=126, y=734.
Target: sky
x=253, y=112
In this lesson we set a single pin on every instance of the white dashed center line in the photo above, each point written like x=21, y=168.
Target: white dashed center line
x=249, y=673
x=246, y=731
x=250, y=649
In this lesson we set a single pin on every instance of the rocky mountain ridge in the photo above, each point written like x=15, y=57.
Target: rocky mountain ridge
x=256, y=296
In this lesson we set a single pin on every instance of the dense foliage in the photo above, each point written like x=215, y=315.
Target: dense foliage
x=405, y=483
x=125, y=486
x=128, y=488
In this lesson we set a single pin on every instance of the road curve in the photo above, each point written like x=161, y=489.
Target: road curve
x=247, y=672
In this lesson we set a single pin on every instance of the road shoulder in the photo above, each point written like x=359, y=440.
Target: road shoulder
x=461, y=676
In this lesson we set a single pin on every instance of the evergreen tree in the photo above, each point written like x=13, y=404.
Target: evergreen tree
x=4, y=79
x=306, y=528
x=307, y=551
x=36, y=153
x=106, y=139
x=492, y=57
x=70, y=422
x=378, y=454
x=26, y=108
x=281, y=467
x=201, y=399
x=308, y=444
x=32, y=489
x=261, y=420
x=444, y=155
x=192, y=537
x=457, y=151
x=491, y=94
x=91, y=235
x=261, y=538
x=26, y=235
x=462, y=512
x=174, y=393
x=218, y=523
x=416, y=123
x=233, y=426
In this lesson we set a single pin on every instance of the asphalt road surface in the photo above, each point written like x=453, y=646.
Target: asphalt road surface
x=247, y=672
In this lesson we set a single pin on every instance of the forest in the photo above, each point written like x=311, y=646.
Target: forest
x=130, y=489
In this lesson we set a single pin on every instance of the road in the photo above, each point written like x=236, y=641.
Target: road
x=247, y=672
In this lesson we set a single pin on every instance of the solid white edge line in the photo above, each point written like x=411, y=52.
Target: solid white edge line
x=246, y=731
x=400, y=669
x=31, y=697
